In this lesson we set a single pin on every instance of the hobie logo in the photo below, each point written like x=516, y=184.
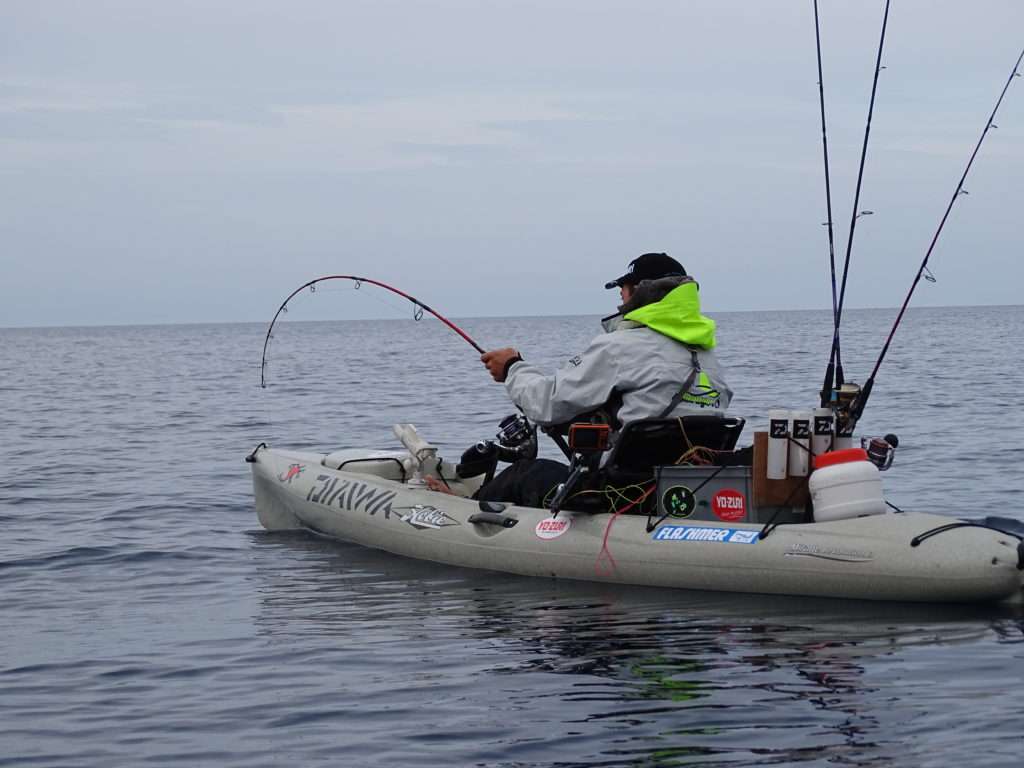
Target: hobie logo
x=552, y=527
x=422, y=516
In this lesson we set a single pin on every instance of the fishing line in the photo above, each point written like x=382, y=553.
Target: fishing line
x=418, y=309
x=826, y=390
x=922, y=271
x=835, y=357
x=380, y=297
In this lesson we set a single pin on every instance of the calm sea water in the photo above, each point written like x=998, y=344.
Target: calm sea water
x=146, y=618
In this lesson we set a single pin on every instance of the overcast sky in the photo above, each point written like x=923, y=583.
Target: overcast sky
x=196, y=160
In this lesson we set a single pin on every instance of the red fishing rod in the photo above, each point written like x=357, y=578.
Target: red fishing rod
x=417, y=313
x=858, y=406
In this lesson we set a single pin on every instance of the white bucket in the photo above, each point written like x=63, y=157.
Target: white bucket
x=845, y=484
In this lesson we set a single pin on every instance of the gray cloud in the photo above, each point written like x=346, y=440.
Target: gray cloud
x=196, y=160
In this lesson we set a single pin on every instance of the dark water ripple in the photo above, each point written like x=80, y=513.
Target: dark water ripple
x=147, y=620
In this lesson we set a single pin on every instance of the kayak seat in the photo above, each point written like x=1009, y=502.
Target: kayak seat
x=645, y=444
x=641, y=446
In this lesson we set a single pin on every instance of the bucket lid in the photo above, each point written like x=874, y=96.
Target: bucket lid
x=840, y=457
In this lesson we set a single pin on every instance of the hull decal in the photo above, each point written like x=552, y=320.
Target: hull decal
x=350, y=496
x=705, y=534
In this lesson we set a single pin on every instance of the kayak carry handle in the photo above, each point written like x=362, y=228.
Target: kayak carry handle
x=493, y=518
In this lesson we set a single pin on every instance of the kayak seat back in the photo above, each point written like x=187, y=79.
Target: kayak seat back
x=645, y=444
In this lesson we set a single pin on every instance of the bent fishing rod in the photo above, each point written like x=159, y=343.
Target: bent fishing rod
x=835, y=362
x=417, y=313
x=922, y=271
x=826, y=390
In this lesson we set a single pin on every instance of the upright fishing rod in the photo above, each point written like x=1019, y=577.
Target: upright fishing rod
x=417, y=313
x=826, y=390
x=835, y=357
x=858, y=406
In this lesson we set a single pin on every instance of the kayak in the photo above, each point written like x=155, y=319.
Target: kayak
x=378, y=499
x=709, y=517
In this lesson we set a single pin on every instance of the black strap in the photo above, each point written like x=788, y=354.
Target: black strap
x=678, y=398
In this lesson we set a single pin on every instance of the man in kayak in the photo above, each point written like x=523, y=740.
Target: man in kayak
x=654, y=360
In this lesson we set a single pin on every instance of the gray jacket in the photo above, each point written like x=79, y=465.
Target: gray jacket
x=644, y=367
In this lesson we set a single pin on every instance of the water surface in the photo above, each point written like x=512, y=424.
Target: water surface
x=147, y=619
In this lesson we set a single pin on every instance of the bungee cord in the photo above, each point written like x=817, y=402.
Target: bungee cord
x=418, y=310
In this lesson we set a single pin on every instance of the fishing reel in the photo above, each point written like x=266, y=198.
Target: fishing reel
x=881, y=450
x=515, y=430
x=515, y=440
x=844, y=400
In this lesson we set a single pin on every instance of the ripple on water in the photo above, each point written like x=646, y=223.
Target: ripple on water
x=148, y=621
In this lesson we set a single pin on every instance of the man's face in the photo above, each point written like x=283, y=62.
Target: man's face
x=625, y=292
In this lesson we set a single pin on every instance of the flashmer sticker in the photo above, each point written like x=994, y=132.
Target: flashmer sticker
x=705, y=534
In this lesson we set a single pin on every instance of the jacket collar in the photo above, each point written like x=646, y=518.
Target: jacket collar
x=617, y=322
x=653, y=291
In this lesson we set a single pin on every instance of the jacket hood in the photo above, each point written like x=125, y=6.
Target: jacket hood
x=671, y=306
x=650, y=291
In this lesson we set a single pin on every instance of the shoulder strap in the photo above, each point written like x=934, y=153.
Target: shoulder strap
x=687, y=385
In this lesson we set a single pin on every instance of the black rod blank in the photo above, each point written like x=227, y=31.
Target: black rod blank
x=836, y=356
x=826, y=389
x=862, y=400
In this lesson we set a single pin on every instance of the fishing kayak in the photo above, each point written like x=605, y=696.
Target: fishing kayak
x=710, y=519
x=376, y=499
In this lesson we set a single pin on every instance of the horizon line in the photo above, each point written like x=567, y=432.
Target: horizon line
x=471, y=317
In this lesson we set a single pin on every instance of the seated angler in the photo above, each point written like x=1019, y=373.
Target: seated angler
x=654, y=360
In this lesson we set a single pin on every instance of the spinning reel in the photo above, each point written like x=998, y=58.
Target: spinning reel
x=515, y=440
x=881, y=450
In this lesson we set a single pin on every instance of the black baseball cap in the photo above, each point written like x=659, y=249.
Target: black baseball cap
x=650, y=266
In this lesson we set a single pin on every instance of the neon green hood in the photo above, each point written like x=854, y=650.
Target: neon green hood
x=678, y=317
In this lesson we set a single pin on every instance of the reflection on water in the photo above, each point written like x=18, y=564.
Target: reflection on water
x=593, y=674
